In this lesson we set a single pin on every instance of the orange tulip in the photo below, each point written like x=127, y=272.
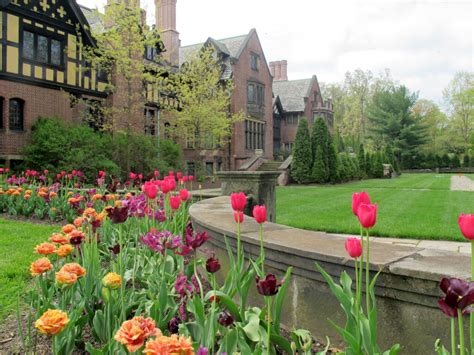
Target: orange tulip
x=64, y=250
x=45, y=248
x=169, y=345
x=52, y=322
x=96, y=197
x=39, y=266
x=74, y=268
x=79, y=221
x=59, y=238
x=65, y=278
x=89, y=212
x=135, y=331
x=68, y=228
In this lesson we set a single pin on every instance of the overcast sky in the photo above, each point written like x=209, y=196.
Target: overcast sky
x=422, y=42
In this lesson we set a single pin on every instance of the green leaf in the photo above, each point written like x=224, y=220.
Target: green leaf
x=227, y=302
x=230, y=341
x=280, y=297
x=281, y=342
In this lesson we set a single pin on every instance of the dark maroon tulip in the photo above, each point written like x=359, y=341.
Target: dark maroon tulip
x=212, y=265
x=268, y=286
x=459, y=294
x=197, y=240
x=118, y=214
x=173, y=325
x=115, y=249
x=225, y=319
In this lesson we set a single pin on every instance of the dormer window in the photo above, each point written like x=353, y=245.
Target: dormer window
x=254, y=61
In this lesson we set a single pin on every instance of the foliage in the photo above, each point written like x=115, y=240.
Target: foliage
x=393, y=121
x=302, y=156
x=459, y=97
x=319, y=151
x=56, y=145
x=204, y=117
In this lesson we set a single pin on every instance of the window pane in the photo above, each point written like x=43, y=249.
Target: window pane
x=28, y=45
x=16, y=115
x=251, y=93
x=55, y=52
x=42, y=54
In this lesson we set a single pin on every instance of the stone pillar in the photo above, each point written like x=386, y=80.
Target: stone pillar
x=259, y=186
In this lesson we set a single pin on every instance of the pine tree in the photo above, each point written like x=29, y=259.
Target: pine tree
x=332, y=161
x=302, y=156
x=466, y=161
x=319, y=167
x=378, y=165
x=320, y=140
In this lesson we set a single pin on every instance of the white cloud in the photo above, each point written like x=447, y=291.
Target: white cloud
x=423, y=42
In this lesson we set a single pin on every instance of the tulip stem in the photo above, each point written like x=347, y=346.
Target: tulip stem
x=471, y=316
x=262, y=251
x=361, y=265
x=357, y=284
x=453, y=337
x=367, y=274
x=238, y=247
x=461, y=333
x=269, y=324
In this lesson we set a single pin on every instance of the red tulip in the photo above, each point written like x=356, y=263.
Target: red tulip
x=45, y=172
x=140, y=176
x=268, y=286
x=353, y=247
x=185, y=178
x=357, y=199
x=7, y=170
x=212, y=265
x=466, y=224
x=179, y=175
x=171, y=182
x=1, y=170
x=191, y=178
x=367, y=215
x=74, y=172
x=151, y=190
x=133, y=176
x=238, y=201
x=184, y=194
x=156, y=173
x=238, y=216
x=175, y=202
x=260, y=214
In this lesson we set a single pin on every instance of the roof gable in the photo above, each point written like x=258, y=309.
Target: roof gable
x=292, y=93
x=64, y=13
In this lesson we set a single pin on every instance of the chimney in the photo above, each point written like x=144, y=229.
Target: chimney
x=272, y=68
x=166, y=24
x=277, y=71
x=284, y=67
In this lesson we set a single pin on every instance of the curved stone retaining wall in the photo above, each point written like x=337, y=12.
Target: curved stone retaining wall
x=407, y=288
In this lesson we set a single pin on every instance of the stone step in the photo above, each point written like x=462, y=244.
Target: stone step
x=270, y=166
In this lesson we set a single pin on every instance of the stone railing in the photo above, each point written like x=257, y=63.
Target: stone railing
x=407, y=288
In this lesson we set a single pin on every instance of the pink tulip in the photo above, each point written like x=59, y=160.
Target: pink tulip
x=184, y=194
x=367, y=215
x=238, y=201
x=238, y=216
x=466, y=224
x=175, y=202
x=151, y=190
x=353, y=247
x=132, y=176
x=357, y=199
x=260, y=214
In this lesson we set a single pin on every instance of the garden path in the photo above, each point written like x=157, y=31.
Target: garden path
x=461, y=183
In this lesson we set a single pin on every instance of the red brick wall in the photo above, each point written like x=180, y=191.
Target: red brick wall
x=38, y=101
x=243, y=72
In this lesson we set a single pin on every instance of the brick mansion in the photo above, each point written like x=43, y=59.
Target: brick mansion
x=40, y=61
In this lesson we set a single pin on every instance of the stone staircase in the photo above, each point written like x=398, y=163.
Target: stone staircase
x=270, y=165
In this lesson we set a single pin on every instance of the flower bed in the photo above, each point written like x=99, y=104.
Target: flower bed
x=126, y=276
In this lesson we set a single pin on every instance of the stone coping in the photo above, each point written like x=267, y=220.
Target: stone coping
x=409, y=273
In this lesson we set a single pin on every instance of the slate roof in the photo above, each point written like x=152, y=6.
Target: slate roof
x=292, y=93
x=93, y=17
x=231, y=46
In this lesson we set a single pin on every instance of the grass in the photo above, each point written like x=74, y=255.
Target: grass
x=419, y=206
x=17, y=240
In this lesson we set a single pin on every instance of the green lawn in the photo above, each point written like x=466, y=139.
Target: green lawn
x=17, y=242
x=412, y=206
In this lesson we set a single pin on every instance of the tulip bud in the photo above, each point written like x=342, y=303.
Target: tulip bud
x=212, y=265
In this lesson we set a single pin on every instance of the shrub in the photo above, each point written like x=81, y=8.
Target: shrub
x=320, y=141
x=466, y=161
x=302, y=157
x=56, y=145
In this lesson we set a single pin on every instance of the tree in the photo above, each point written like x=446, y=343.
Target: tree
x=465, y=161
x=203, y=116
x=320, y=145
x=459, y=97
x=119, y=53
x=302, y=156
x=332, y=161
x=361, y=161
x=392, y=120
x=435, y=122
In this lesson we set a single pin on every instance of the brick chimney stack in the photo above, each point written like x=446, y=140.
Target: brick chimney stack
x=166, y=24
x=279, y=70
